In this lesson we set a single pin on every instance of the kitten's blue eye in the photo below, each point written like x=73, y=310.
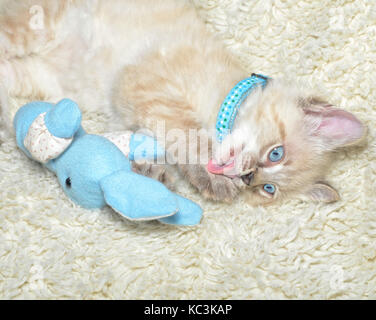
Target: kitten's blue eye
x=276, y=154
x=269, y=188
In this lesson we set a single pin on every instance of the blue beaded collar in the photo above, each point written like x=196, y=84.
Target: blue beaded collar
x=231, y=104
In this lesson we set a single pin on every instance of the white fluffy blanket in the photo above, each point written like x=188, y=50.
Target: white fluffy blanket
x=50, y=248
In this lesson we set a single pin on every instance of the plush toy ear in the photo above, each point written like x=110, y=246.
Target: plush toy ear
x=136, y=197
x=335, y=127
x=322, y=192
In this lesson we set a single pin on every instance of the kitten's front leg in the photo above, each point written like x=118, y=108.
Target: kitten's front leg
x=211, y=186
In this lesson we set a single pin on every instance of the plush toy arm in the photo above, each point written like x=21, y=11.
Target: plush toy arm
x=144, y=147
x=135, y=146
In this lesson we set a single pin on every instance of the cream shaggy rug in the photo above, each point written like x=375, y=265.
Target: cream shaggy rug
x=49, y=248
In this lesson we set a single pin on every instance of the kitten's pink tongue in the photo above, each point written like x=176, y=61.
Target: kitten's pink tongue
x=225, y=169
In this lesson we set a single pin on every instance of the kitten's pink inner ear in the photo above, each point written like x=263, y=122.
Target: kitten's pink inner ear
x=340, y=127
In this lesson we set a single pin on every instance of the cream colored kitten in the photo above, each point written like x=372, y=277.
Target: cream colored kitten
x=146, y=62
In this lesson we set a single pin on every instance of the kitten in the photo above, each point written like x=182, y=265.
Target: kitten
x=155, y=62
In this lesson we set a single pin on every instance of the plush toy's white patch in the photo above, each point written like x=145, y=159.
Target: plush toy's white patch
x=120, y=139
x=41, y=144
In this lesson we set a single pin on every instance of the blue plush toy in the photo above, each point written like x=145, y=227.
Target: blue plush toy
x=95, y=170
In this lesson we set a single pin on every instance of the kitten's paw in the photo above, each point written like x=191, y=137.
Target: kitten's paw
x=155, y=171
x=221, y=189
x=211, y=186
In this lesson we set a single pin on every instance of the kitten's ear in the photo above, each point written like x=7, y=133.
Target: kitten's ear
x=322, y=192
x=333, y=126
